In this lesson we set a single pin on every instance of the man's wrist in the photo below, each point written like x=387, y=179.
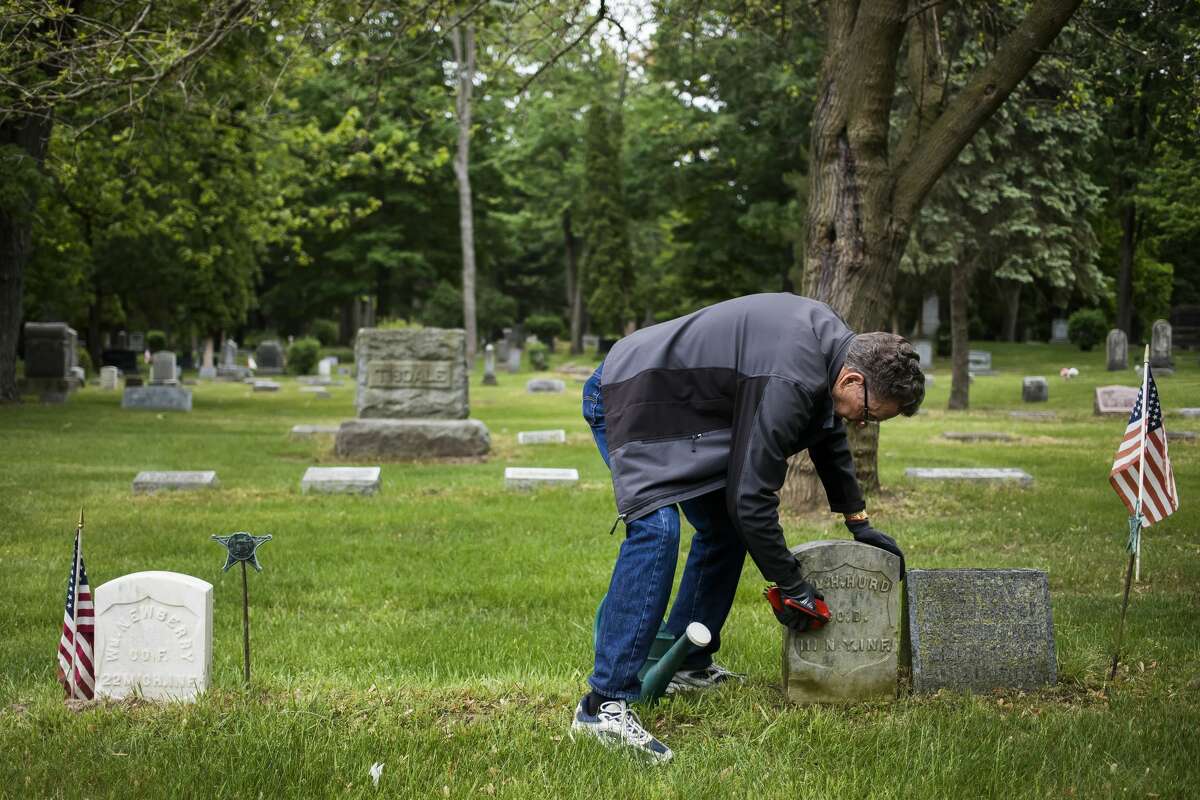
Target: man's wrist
x=857, y=516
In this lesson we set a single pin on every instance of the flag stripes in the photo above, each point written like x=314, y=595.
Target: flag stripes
x=1159, y=496
x=76, y=671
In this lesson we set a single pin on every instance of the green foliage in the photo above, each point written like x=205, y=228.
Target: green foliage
x=493, y=310
x=302, y=355
x=156, y=340
x=547, y=327
x=399, y=324
x=85, y=360
x=1087, y=327
x=608, y=263
x=1153, y=282
x=539, y=355
x=326, y=331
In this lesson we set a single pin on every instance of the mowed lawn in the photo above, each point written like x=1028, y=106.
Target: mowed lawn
x=443, y=626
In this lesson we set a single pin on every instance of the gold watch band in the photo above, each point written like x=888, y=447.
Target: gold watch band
x=857, y=516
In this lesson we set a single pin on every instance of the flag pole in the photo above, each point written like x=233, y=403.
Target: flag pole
x=1135, y=520
x=75, y=604
x=1137, y=543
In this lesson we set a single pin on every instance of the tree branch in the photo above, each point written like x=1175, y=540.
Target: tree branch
x=600, y=15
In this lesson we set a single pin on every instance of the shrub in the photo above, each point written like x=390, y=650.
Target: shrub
x=302, y=355
x=538, y=354
x=156, y=340
x=84, y=358
x=1087, y=327
x=326, y=331
x=546, y=327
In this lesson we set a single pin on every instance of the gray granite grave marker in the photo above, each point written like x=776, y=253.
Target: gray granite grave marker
x=489, y=365
x=266, y=386
x=404, y=439
x=151, y=482
x=1188, y=412
x=930, y=317
x=208, y=370
x=156, y=398
x=1035, y=389
x=137, y=341
x=49, y=356
x=301, y=431
x=1160, y=346
x=269, y=358
x=1181, y=436
x=163, y=370
x=1116, y=350
x=979, y=362
x=979, y=629
x=550, y=385
x=340, y=480
x=514, y=359
x=924, y=349
x=972, y=474
x=854, y=657
x=1058, y=331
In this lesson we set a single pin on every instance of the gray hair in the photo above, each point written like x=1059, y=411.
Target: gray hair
x=892, y=367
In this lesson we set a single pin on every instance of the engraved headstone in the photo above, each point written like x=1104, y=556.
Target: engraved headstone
x=155, y=398
x=1116, y=350
x=1117, y=400
x=930, y=319
x=977, y=630
x=137, y=341
x=551, y=385
x=163, y=370
x=1160, y=345
x=534, y=477
x=151, y=482
x=340, y=480
x=979, y=362
x=1058, y=331
x=489, y=365
x=1035, y=389
x=854, y=657
x=924, y=349
x=269, y=357
x=108, y=378
x=542, y=437
x=153, y=636
x=971, y=474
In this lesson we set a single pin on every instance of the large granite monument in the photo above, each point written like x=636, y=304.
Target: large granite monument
x=269, y=357
x=49, y=357
x=153, y=636
x=164, y=392
x=979, y=629
x=412, y=397
x=854, y=657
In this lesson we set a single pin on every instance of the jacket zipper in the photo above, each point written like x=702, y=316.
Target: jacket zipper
x=695, y=437
x=615, y=521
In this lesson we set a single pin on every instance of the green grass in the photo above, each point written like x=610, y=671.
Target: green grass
x=443, y=627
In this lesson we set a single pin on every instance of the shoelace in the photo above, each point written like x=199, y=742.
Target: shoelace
x=631, y=726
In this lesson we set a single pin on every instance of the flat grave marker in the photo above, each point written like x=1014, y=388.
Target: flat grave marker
x=978, y=436
x=973, y=474
x=1116, y=400
x=153, y=636
x=149, y=482
x=156, y=398
x=558, y=436
x=300, y=431
x=551, y=385
x=266, y=386
x=979, y=629
x=1188, y=412
x=340, y=480
x=1034, y=416
x=534, y=477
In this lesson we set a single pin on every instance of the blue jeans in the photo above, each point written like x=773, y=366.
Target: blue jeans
x=645, y=569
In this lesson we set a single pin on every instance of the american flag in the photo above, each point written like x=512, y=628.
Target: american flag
x=75, y=670
x=1159, y=497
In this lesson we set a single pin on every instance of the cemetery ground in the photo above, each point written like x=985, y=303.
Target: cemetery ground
x=443, y=626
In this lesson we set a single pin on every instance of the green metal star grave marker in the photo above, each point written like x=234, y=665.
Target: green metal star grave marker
x=242, y=547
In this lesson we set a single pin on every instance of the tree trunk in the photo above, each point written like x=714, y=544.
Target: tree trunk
x=574, y=283
x=95, y=346
x=464, y=57
x=863, y=199
x=1125, y=276
x=1012, y=311
x=960, y=381
x=30, y=135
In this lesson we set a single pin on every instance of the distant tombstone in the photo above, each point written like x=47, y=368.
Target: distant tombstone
x=325, y=368
x=49, y=356
x=122, y=342
x=924, y=349
x=266, y=386
x=1058, y=331
x=269, y=357
x=979, y=362
x=514, y=359
x=1033, y=416
x=535, y=477
x=340, y=480
x=155, y=398
x=489, y=365
x=1035, y=389
x=1181, y=436
x=412, y=397
x=108, y=378
x=977, y=630
x=978, y=436
x=970, y=474
x=137, y=341
x=319, y=392
x=854, y=657
x=1116, y=349
x=930, y=319
x=591, y=343
x=153, y=636
x=542, y=437
x=163, y=369
x=1118, y=400
x=1160, y=345
x=229, y=353
x=153, y=482
x=1189, y=412
x=542, y=385
x=502, y=347
x=208, y=369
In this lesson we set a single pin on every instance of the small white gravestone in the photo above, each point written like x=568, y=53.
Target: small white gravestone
x=108, y=378
x=340, y=480
x=972, y=474
x=924, y=349
x=533, y=477
x=151, y=482
x=542, y=437
x=153, y=636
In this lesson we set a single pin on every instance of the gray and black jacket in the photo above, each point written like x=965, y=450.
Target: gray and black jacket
x=722, y=398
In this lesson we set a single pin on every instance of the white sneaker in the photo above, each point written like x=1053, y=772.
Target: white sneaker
x=691, y=680
x=614, y=723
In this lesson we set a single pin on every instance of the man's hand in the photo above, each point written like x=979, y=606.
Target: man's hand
x=800, y=606
x=863, y=532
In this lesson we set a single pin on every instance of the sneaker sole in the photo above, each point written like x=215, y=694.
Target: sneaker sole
x=615, y=741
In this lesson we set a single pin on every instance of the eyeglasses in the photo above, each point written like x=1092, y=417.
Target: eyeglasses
x=866, y=415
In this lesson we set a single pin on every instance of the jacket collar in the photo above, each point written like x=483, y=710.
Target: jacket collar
x=835, y=369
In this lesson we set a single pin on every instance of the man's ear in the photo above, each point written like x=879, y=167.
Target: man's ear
x=849, y=377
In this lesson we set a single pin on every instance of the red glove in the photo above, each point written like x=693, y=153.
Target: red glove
x=801, y=609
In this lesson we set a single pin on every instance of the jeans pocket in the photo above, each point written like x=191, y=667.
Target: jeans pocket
x=593, y=411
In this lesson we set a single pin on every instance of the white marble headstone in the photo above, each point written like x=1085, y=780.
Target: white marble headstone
x=153, y=636
x=532, y=477
x=558, y=436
